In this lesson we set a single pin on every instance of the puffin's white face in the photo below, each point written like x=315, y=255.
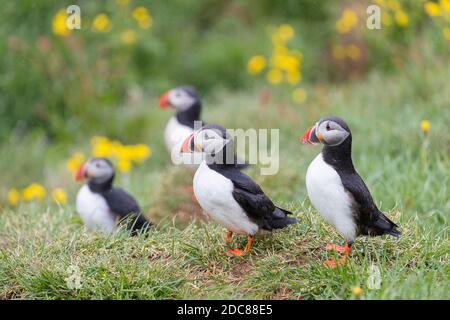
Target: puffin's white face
x=327, y=132
x=331, y=133
x=96, y=169
x=180, y=99
x=210, y=141
x=207, y=141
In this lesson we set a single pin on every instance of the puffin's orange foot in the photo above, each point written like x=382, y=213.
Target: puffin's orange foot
x=236, y=252
x=343, y=249
x=334, y=263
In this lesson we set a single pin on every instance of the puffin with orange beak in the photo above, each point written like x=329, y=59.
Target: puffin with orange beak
x=227, y=195
x=103, y=207
x=337, y=191
x=188, y=106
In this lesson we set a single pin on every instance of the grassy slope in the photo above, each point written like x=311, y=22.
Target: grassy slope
x=407, y=174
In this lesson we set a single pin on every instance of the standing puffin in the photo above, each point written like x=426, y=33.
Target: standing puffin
x=337, y=191
x=100, y=205
x=227, y=195
x=188, y=106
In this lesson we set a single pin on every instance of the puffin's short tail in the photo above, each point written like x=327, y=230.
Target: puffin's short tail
x=387, y=226
x=138, y=224
x=280, y=219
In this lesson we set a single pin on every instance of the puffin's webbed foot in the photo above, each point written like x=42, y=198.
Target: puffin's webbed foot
x=333, y=263
x=239, y=253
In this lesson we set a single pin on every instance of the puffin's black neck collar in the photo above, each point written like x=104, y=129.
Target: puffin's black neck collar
x=340, y=156
x=101, y=187
x=187, y=117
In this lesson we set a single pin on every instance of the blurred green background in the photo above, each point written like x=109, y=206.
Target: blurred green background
x=64, y=83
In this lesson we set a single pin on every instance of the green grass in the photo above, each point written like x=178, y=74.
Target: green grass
x=183, y=257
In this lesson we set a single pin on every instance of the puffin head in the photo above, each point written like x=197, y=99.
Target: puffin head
x=96, y=170
x=181, y=98
x=330, y=131
x=213, y=141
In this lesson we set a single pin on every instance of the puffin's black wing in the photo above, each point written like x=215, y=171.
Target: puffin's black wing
x=127, y=209
x=370, y=220
x=255, y=203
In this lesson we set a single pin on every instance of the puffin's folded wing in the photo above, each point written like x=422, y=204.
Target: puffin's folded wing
x=370, y=218
x=257, y=206
x=125, y=207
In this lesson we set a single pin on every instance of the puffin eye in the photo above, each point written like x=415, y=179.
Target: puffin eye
x=328, y=126
x=97, y=165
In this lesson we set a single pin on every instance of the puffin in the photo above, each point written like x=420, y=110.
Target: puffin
x=337, y=191
x=228, y=196
x=187, y=103
x=103, y=207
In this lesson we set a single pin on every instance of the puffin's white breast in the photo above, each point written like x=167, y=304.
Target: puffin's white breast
x=214, y=194
x=94, y=211
x=174, y=136
x=328, y=196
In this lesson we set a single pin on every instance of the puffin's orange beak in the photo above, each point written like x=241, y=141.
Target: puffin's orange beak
x=79, y=175
x=310, y=136
x=163, y=101
x=185, y=147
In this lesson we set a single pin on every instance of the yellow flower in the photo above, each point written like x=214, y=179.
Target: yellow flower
x=102, y=147
x=140, y=13
x=342, y=27
x=293, y=77
x=59, y=196
x=124, y=165
x=128, y=36
x=256, y=64
x=286, y=32
x=13, y=197
x=425, y=126
x=101, y=23
x=59, y=26
x=75, y=161
x=353, y=52
x=122, y=2
x=432, y=9
x=401, y=18
x=446, y=33
x=146, y=23
x=347, y=22
x=139, y=152
x=33, y=191
x=274, y=76
x=357, y=292
x=350, y=17
x=299, y=95
x=338, y=52
x=445, y=5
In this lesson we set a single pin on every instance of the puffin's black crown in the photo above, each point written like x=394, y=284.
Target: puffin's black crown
x=190, y=91
x=336, y=119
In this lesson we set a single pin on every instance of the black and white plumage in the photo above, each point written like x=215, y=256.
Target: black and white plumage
x=227, y=195
x=335, y=188
x=101, y=206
